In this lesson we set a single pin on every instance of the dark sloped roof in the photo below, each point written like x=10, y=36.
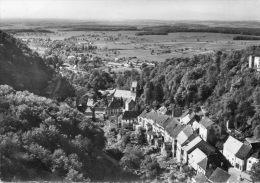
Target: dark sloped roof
x=143, y=113
x=88, y=114
x=170, y=122
x=206, y=122
x=203, y=164
x=188, y=130
x=206, y=147
x=176, y=131
x=219, y=175
x=185, y=134
x=156, y=117
x=256, y=154
x=213, y=160
x=243, y=151
x=173, y=127
x=191, y=138
x=201, y=178
x=192, y=144
x=116, y=103
x=130, y=115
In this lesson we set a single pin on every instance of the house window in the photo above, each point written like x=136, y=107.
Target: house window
x=249, y=161
x=237, y=166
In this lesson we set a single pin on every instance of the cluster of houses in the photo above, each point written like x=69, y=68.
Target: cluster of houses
x=191, y=138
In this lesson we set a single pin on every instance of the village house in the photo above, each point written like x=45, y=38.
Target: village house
x=141, y=118
x=129, y=119
x=162, y=110
x=153, y=122
x=203, y=166
x=179, y=138
x=190, y=118
x=236, y=152
x=254, y=61
x=187, y=118
x=100, y=112
x=172, y=130
x=190, y=146
x=209, y=164
x=182, y=137
x=206, y=165
x=169, y=125
x=254, y=156
x=173, y=111
x=184, y=114
x=115, y=107
x=195, y=157
x=89, y=113
x=208, y=129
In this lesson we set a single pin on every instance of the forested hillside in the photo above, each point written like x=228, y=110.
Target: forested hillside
x=44, y=140
x=25, y=70
x=222, y=82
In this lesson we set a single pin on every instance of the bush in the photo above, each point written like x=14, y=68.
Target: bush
x=132, y=158
x=151, y=167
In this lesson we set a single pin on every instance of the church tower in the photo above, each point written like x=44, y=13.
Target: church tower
x=134, y=87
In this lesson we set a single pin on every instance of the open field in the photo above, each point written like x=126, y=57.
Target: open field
x=126, y=44
x=120, y=41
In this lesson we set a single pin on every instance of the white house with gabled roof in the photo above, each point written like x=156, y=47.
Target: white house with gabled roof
x=182, y=137
x=236, y=152
x=195, y=157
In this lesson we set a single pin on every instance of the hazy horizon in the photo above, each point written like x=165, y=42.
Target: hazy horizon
x=119, y=10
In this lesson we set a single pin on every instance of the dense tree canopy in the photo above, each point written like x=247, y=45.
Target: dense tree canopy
x=24, y=69
x=41, y=139
x=220, y=81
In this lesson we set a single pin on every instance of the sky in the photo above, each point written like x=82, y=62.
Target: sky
x=237, y=10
